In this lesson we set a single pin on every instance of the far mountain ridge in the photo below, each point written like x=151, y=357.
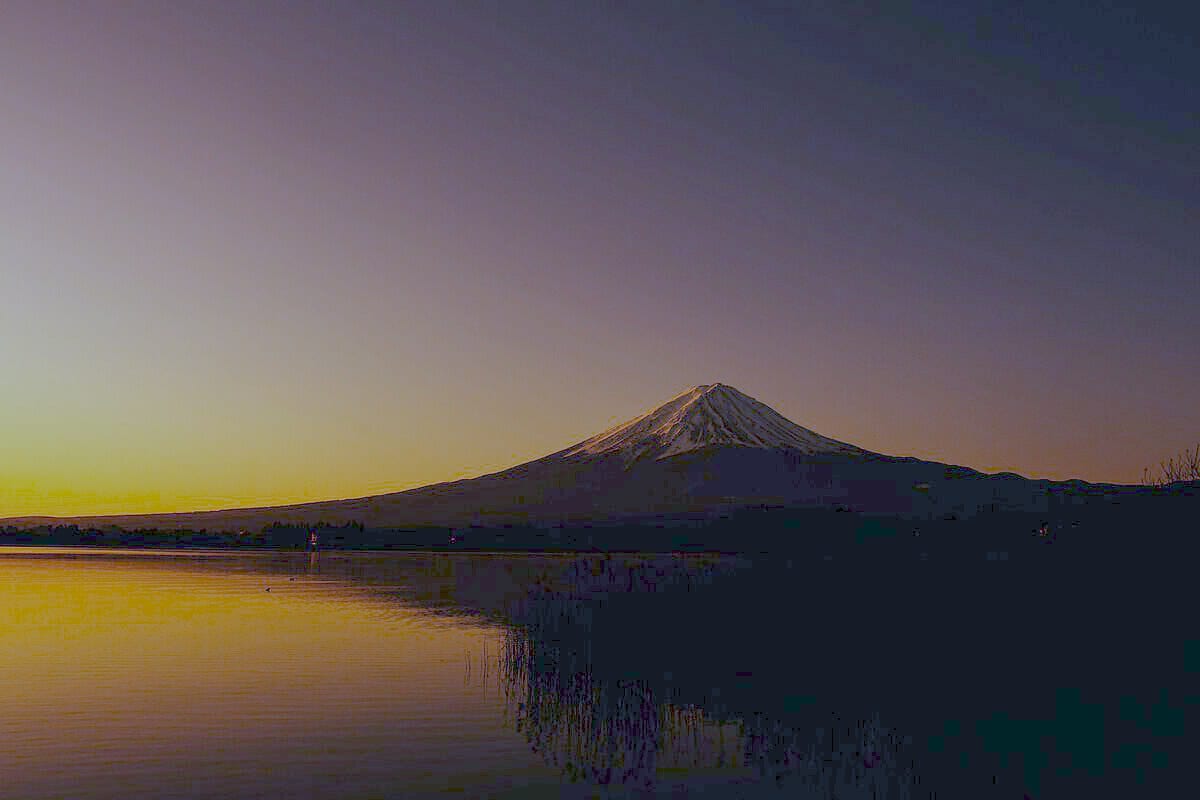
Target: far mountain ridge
x=709, y=449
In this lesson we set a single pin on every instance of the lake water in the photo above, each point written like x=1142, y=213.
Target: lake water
x=377, y=675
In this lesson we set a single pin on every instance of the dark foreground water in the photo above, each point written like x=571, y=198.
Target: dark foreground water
x=907, y=670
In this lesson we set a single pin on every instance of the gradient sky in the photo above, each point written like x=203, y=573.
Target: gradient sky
x=264, y=252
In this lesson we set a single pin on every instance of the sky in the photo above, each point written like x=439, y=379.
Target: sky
x=272, y=252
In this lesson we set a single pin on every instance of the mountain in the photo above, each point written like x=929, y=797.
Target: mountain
x=711, y=415
x=708, y=450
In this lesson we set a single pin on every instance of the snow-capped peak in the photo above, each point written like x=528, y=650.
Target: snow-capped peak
x=704, y=416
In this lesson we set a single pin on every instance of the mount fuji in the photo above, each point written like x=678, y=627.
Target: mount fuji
x=711, y=415
x=710, y=449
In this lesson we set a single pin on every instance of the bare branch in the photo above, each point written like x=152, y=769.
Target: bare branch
x=1185, y=467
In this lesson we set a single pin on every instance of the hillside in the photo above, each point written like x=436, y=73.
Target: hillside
x=708, y=450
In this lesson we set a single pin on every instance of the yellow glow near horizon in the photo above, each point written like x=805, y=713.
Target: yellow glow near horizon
x=54, y=493
x=394, y=273
x=72, y=462
x=208, y=451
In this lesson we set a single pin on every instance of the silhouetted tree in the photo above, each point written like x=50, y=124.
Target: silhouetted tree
x=1184, y=467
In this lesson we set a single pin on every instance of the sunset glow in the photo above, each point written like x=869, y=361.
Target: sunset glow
x=253, y=258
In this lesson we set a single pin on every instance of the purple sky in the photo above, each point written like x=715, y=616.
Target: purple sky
x=264, y=252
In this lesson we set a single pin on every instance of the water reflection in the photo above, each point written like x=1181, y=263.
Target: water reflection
x=855, y=679
x=588, y=705
x=816, y=679
x=620, y=733
x=123, y=675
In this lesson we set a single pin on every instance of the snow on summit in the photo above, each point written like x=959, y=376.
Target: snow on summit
x=704, y=416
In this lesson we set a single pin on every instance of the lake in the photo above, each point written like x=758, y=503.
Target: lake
x=901, y=671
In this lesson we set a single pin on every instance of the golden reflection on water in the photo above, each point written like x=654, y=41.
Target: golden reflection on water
x=217, y=674
x=169, y=675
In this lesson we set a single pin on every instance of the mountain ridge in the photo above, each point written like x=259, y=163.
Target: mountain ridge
x=709, y=448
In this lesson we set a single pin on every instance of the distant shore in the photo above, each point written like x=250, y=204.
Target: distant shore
x=760, y=530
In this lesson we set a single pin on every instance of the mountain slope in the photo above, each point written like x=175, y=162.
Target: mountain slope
x=709, y=449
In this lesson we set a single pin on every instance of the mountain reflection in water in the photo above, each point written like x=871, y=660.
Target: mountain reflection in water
x=864, y=671
x=604, y=712
x=620, y=734
x=850, y=670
